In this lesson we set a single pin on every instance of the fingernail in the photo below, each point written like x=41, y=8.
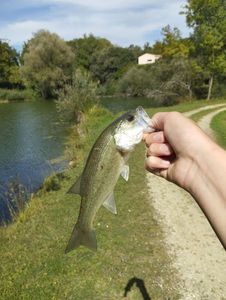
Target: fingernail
x=164, y=149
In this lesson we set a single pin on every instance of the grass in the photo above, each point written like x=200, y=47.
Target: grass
x=196, y=117
x=131, y=244
x=218, y=124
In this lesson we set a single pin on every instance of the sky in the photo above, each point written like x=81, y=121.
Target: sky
x=123, y=22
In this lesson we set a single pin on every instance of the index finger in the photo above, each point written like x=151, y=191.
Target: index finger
x=154, y=137
x=158, y=120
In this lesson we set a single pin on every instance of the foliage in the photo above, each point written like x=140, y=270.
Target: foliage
x=9, y=67
x=173, y=45
x=165, y=81
x=85, y=48
x=53, y=182
x=110, y=63
x=135, y=50
x=17, y=196
x=47, y=63
x=78, y=96
x=15, y=94
x=135, y=82
x=208, y=19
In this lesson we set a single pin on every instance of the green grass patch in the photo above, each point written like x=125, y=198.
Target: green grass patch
x=196, y=117
x=218, y=124
x=130, y=245
x=187, y=106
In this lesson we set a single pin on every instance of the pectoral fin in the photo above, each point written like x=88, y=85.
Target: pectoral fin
x=109, y=203
x=125, y=172
x=75, y=188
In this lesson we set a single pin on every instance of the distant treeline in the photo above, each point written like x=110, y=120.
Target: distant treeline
x=193, y=67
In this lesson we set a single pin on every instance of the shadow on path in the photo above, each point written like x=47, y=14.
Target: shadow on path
x=140, y=285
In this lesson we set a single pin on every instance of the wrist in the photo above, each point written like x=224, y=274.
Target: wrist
x=209, y=188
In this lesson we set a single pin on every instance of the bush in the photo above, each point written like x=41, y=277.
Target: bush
x=53, y=182
x=15, y=95
x=76, y=98
x=165, y=81
x=135, y=82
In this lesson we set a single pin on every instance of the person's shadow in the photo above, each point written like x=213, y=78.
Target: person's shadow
x=140, y=285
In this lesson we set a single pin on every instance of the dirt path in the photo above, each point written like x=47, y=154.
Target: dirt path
x=198, y=255
x=195, y=111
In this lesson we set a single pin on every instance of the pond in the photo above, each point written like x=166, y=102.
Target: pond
x=31, y=143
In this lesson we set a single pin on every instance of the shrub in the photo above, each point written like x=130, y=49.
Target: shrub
x=76, y=98
x=15, y=95
x=53, y=182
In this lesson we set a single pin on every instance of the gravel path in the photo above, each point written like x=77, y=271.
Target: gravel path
x=198, y=255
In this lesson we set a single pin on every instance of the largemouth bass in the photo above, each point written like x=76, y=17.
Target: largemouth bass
x=106, y=161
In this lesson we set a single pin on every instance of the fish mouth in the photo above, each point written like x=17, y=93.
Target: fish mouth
x=143, y=120
x=127, y=137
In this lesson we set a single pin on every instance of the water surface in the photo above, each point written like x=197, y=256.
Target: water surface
x=31, y=141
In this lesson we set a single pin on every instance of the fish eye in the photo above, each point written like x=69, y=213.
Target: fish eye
x=130, y=118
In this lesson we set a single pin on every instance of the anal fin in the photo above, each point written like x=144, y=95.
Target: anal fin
x=125, y=172
x=109, y=204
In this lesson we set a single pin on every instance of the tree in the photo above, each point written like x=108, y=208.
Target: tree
x=47, y=63
x=158, y=48
x=173, y=45
x=9, y=66
x=111, y=63
x=208, y=19
x=135, y=50
x=135, y=82
x=85, y=48
x=165, y=81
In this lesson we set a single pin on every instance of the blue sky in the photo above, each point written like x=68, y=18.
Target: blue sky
x=123, y=22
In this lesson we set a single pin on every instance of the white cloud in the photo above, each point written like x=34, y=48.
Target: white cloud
x=122, y=22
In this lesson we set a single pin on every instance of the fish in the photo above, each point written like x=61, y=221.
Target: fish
x=106, y=161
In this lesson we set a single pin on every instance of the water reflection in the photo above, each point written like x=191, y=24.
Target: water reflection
x=30, y=137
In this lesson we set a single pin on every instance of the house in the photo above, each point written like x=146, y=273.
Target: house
x=147, y=58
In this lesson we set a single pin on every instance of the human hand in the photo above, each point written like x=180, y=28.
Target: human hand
x=182, y=153
x=173, y=151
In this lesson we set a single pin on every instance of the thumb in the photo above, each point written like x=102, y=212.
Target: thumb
x=158, y=120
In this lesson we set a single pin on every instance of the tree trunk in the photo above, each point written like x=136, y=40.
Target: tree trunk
x=210, y=87
x=190, y=92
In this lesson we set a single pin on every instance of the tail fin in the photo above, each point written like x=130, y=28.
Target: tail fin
x=79, y=237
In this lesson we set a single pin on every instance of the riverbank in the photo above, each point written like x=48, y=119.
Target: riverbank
x=132, y=257
x=11, y=95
